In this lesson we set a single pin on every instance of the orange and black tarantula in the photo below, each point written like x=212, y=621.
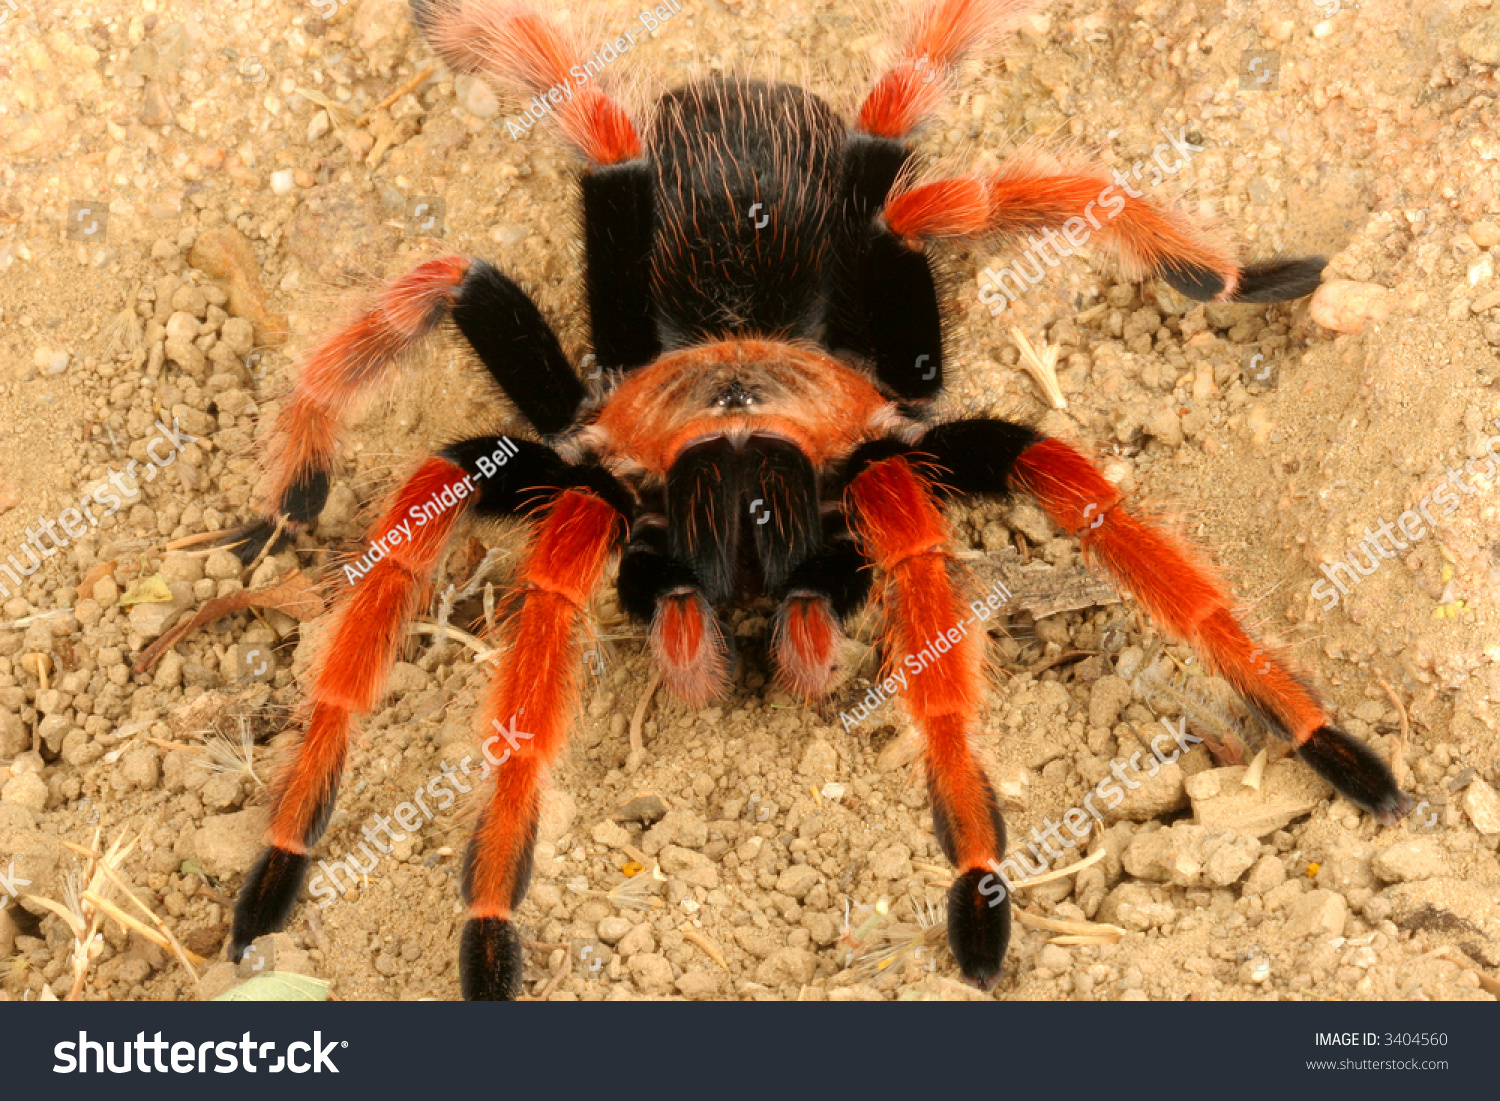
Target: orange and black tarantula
x=761, y=297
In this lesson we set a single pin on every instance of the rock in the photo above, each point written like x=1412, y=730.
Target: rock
x=476, y=97
x=50, y=361
x=1315, y=914
x=638, y=941
x=698, y=985
x=226, y=256
x=1347, y=867
x=678, y=827
x=1268, y=872
x=612, y=834
x=377, y=21
x=150, y=620
x=675, y=859
x=222, y=565
x=186, y=355
x=283, y=182
x=613, y=929
x=1288, y=790
x=239, y=336
x=1166, y=426
x=141, y=767
x=227, y=844
x=15, y=739
x=1481, y=804
x=1191, y=856
x=318, y=127
x=758, y=942
x=797, y=880
x=891, y=862
x=1485, y=234
x=820, y=761
x=1153, y=796
x=652, y=973
x=155, y=110
x=1106, y=696
x=1482, y=42
x=340, y=516
x=787, y=967
x=1410, y=860
x=940, y=988
x=27, y=790
x=1344, y=306
x=1132, y=905
x=29, y=855
x=645, y=809
x=219, y=979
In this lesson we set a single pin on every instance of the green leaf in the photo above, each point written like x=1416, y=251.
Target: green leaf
x=278, y=986
x=153, y=590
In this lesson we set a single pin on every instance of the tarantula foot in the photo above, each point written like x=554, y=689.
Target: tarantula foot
x=267, y=898
x=978, y=926
x=1356, y=773
x=248, y=540
x=489, y=960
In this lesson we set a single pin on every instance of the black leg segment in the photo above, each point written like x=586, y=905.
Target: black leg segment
x=974, y=456
x=519, y=348
x=618, y=221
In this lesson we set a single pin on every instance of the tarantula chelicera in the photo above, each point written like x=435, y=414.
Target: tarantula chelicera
x=762, y=300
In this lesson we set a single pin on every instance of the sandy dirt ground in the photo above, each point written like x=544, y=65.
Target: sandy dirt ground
x=188, y=195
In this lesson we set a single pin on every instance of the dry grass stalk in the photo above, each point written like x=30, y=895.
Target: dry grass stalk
x=84, y=911
x=1041, y=366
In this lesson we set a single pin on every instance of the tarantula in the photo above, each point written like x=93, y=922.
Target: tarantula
x=762, y=301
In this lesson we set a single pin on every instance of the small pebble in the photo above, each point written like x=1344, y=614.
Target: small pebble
x=1344, y=306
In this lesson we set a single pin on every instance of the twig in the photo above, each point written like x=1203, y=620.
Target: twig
x=557, y=977
x=637, y=750
x=271, y=542
x=193, y=540
x=709, y=947
x=1072, y=932
x=481, y=651
x=1486, y=983
x=411, y=85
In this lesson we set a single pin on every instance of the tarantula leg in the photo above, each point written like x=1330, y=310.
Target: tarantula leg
x=1171, y=581
x=904, y=533
x=525, y=719
x=304, y=441
x=1026, y=201
x=368, y=631
x=498, y=319
x=487, y=476
x=939, y=34
x=824, y=590
x=1175, y=586
x=518, y=347
x=512, y=44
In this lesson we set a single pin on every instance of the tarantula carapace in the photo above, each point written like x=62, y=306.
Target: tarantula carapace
x=762, y=300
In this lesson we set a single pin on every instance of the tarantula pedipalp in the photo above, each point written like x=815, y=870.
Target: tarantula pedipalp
x=760, y=291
